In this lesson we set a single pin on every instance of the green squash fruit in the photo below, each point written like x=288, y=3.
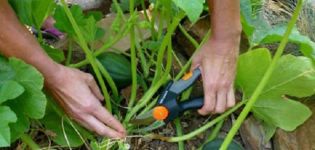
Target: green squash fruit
x=216, y=144
x=118, y=66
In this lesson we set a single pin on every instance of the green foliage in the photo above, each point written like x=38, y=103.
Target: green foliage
x=192, y=8
x=56, y=121
x=7, y=116
x=87, y=23
x=259, y=31
x=22, y=98
x=293, y=76
x=33, y=12
x=56, y=54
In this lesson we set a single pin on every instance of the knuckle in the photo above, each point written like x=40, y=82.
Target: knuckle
x=220, y=110
x=89, y=77
x=89, y=107
x=102, y=132
x=231, y=104
x=225, y=84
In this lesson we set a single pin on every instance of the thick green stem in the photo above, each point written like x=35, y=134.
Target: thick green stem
x=188, y=36
x=29, y=141
x=179, y=132
x=108, y=78
x=200, y=129
x=88, y=53
x=133, y=58
x=215, y=131
x=105, y=47
x=264, y=80
x=148, y=95
x=165, y=42
x=153, y=20
x=69, y=54
x=188, y=63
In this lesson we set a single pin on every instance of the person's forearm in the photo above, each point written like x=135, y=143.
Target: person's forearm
x=17, y=41
x=225, y=18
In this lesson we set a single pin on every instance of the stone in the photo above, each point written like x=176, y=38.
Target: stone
x=124, y=43
x=303, y=138
x=253, y=135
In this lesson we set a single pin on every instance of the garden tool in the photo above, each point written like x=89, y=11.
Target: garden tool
x=168, y=107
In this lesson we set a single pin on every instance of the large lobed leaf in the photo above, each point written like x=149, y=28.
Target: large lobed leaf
x=33, y=12
x=21, y=91
x=293, y=76
x=7, y=116
x=87, y=23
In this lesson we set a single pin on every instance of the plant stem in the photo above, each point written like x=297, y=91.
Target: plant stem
x=108, y=78
x=179, y=132
x=40, y=35
x=88, y=53
x=264, y=80
x=165, y=42
x=105, y=47
x=155, y=14
x=200, y=129
x=188, y=36
x=153, y=89
x=215, y=131
x=213, y=134
x=29, y=141
x=144, y=10
x=187, y=65
x=133, y=58
x=69, y=54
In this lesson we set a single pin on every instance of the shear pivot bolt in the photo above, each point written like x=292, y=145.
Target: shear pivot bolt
x=160, y=113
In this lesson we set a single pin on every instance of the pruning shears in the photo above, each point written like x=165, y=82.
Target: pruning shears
x=168, y=107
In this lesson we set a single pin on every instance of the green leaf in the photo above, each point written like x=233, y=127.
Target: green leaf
x=192, y=8
x=269, y=130
x=22, y=124
x=53, y=122
x=87, y=23
x=56, y=54
x=286, y=114
x=10, y=90
x=33, y=12
x=251, y=68
x=7, y=116
x=307, y=47
x=33, y=100
x=23, y=85
x=293, y=76
x=62, y=21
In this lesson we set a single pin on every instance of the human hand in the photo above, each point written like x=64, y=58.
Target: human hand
x=217, y=62
x=79, y=95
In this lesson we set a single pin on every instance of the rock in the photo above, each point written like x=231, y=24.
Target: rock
x=253, y=135
x=124, y=43
x=303, y=138
x=280, y=11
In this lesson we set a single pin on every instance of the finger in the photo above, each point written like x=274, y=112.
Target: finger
x=221, y=101
x=209, y=99
x=94, y=88
x=104, y=116
x=99, y=128
x=230, y=98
